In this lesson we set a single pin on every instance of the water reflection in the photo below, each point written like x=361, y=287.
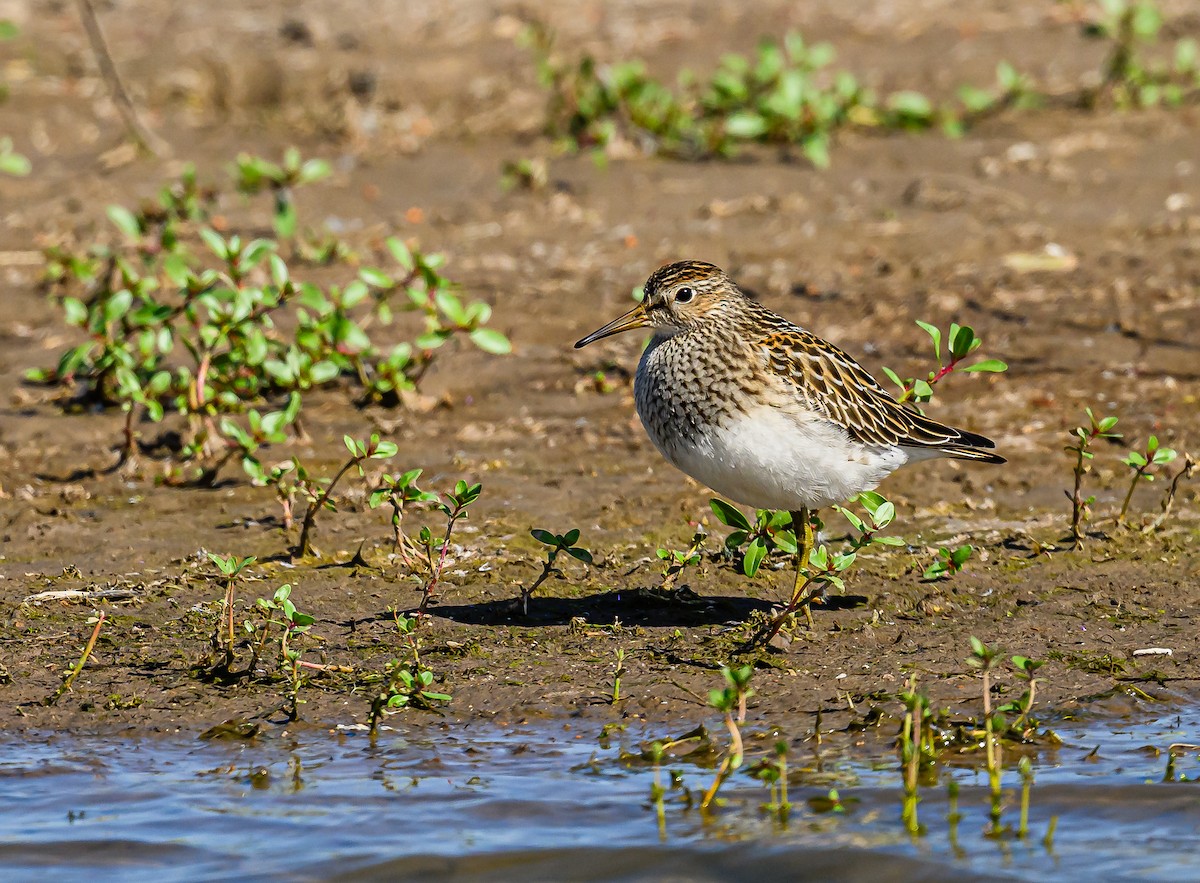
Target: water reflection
x=552, y=804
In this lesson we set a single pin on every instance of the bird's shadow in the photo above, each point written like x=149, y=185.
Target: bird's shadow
x=650, y=607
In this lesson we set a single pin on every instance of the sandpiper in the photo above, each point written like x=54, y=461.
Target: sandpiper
x=763, y=411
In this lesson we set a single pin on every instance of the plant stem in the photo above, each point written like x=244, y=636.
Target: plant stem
x=74, y=672
x=310, y=514
x=1137, y=476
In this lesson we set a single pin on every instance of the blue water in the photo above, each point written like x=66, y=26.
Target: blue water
x=549, y=803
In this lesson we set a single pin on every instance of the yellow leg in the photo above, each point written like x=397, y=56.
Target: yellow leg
x=802, y=525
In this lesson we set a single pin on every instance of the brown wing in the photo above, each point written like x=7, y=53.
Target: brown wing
x=835, y=386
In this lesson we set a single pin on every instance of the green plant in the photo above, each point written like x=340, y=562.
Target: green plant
x=453, y=506
x=181, y=319
x=1185, y=472
x=73, y=672
x=676, y=561
x=618, y=671
x=11, y=162
x=406, y=683
x=555, y=543
x=253, y=174
x=1083, y=438
x=962, y=342
x=916, y=748
x=231, y=568
x=280, y=610
x=1128, y=78
x=1143, y=463
x=731, y=702
x=772, y=530
x=773, y=771
x=1024, y=725
x=398, y=491
x=984, y=659
x=824, y=568
x=319, y=492
x=948, y=562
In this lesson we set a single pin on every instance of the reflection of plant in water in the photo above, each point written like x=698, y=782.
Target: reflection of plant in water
x=731, y=702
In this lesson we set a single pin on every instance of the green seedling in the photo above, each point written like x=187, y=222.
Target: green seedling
x=675, y=561
x=555, y=543
x=1023, y=726
x=962, y=342
x=398, y=491
x=1083, y=438
x=73, y=672
x=216, y=327
x=1129, y=79
x=825, y=568
x=231, y=568
x=753, y=543
x=731, y=702
x=948, y=563
x=280, y=610
x=320, y=493
x=916, y=748
x=984, y=659
x=11, y=162
x=1143, y=464
x=253, y=174
x=454, y=507
x=618, y=672
x=773, y=772
x=406, y=683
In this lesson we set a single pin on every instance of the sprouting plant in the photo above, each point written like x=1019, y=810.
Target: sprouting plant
x=774, y=772
x=676, y=561
x=731, y=702
x=1083, y=437
x=453, y=506
x=962, y=342
x=618, y=672
x=231, y=568
x=1022, y=707
x=984, y=659
x=948, y=562
x=754, y=542
x=73, y=672
x=398, y=491
x=916, y=748
x=11, y=162
x=1143, y=464
x=1185, y=472
x=406, y=683
x=253, y=174
x=320, y=493
x=1128, y=78
x=555, y=543
x=824, y=567
x=529, y=173
x=279, y=610
x=180, y=319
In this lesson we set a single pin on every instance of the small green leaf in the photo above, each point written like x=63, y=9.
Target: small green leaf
x=491, y=341
x=993, y=366
x=755, y=553
x=728, y=514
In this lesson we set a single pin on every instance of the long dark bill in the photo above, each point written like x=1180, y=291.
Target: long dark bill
x=635, y=318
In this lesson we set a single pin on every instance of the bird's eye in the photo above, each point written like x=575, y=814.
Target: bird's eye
x=683, y=295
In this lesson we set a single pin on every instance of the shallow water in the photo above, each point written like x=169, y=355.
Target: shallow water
x=553, y=803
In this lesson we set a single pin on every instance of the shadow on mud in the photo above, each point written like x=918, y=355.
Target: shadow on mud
x=644, y=607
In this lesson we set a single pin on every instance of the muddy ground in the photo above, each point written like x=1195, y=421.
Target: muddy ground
x=902, y=227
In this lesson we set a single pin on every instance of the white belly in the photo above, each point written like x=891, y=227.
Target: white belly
x=772, y=459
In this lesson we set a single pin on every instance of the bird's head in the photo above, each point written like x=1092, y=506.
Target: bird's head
x=678, y=297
